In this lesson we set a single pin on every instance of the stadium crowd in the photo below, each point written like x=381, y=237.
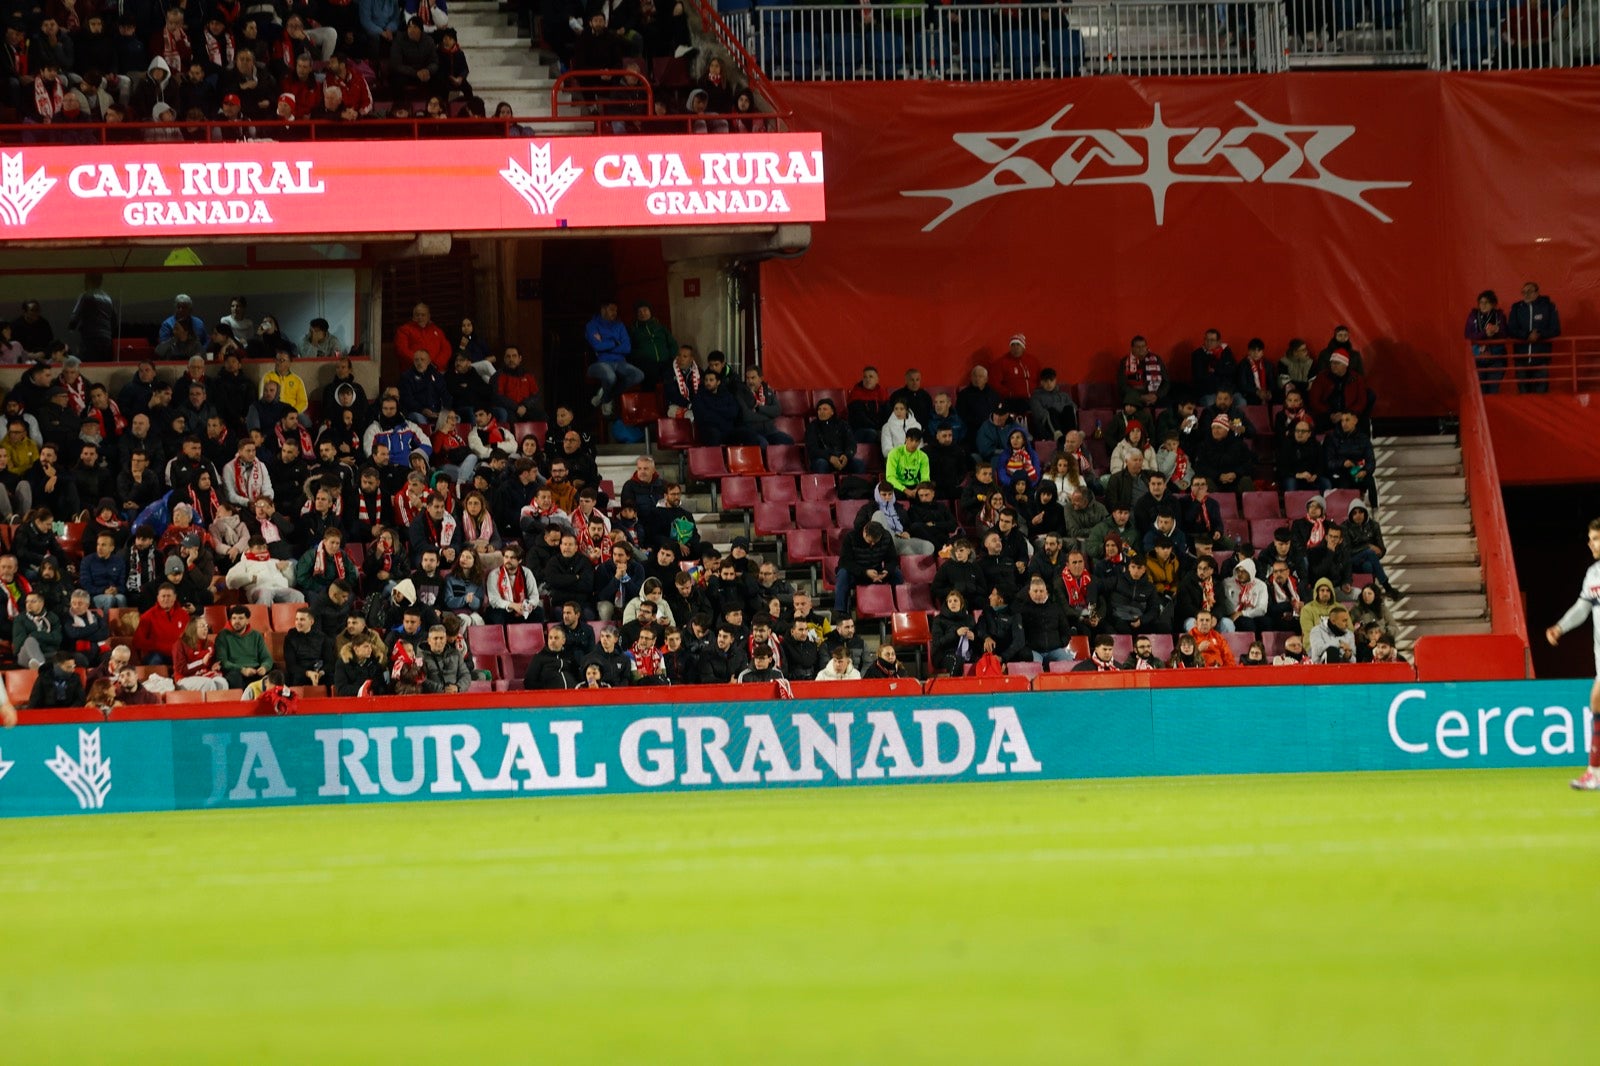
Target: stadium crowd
x=210, y=533
x=265, y=69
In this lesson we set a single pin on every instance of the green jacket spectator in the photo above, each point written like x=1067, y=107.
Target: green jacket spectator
x=238, y=652
x=907, y=466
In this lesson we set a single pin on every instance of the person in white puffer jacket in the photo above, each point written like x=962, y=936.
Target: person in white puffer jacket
x=262, y=578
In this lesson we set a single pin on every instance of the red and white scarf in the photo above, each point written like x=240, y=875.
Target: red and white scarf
x=687, y=385
x=175, y=48
x=442, y=532
x=76, y=395
x=478, y=529
x=303, y=440
x=1180, y=467
x=219, y=50
x=406, y=508
x=1104, y=666
x=493, y=434
x=1143, y=374
x=647, y=661
x=48, y=101
x=110, y=418
x=249, y=480
x=204, y=502
x=319, y=566
x=1287, y=591
x=1319, y=529
x=403, y=661
x=1208, y=593
x=1019, y=462
x=513, y=583
x=1077, y=587
x=425, y=12
x=1255, y=375
x=369, y=507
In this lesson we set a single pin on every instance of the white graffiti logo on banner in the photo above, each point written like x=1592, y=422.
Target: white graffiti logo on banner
x=540, y=184
x=1265, y=151
x=19, y=196
x=89, y=777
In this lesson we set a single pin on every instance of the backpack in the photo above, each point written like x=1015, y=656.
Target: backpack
x=989, y=665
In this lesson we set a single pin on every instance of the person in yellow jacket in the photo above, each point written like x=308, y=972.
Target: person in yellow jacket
x=291, y=386
x=906, y=467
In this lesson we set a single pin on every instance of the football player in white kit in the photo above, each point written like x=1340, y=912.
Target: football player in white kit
x=1587, y=607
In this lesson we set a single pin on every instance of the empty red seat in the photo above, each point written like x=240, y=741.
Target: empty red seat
x=787, y=458
x=809, y=514
x=847, y=511
x=919, y=569
x=835, y=396
x=1097, y=394
x=705, y=464
x=640, y=408
x=874, y=601
x=870, y=456
x=773, y=518
x=794, y=428
x=1261, y=505
x=913, y=598
x=780, y=489
x=804, y=546
x=1339, y=501
x=746, y=459
x=910, y=630
x=1227, y=503
x=819, y=487
x=486, y=640
x=675, y=433
x=1029, y=670
x=794, y=402
x=526, y=638
x=738, y=493
x=1261, y=530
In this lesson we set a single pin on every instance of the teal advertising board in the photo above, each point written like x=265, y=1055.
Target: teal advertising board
x=372, y=758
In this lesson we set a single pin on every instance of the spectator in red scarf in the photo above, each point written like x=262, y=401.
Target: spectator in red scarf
x=1144, y=376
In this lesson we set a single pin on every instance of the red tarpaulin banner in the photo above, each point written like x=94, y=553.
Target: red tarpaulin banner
x=111, y=192
x=1083, y=211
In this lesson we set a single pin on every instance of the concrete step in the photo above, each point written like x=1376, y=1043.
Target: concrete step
x=1440, y=605
x=1406, y=457
x=1430, y=440
x=1426, y=579
x=1428, y=550
x=1401, y=496
x=1408, y=635
x=1430, y=518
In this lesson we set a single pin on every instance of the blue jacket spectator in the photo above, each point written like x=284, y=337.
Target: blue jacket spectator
x=378, y=16
x=992, y=436
x=422, y=392
x=607, y=336
x=181, y=305
x=95, y=575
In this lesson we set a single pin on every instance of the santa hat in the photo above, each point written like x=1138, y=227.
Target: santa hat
x=1222, y=420
x=1017, y=338
x=1339, y=358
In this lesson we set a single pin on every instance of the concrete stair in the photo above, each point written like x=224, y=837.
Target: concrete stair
x=505, y=65
x=1432, y=549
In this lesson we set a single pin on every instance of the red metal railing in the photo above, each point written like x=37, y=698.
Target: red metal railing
x=1506, y=612
x=1573, y=364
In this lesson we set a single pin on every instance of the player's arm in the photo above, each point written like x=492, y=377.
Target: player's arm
x=1576, y=615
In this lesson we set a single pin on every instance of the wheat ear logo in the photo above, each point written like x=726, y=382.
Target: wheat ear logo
x=540, y=184
x=89, y=777
x=18, y=197
x=5, y=767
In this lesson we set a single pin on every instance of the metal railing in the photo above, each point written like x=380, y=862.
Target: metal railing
x=1570, y=365
x=1501, y=35
x=986, y=42
x=1348, y=33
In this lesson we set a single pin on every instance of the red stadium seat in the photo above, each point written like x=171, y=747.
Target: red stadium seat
x=779, y=489
x=812, y=515
x=830, y=570
x=526, y=638
x=738, y=493
x=1239, y=643
x=640, y=408
x=771, y=519
x=19, y=686
x=805, y=546
x=833, y=541
x=1261, y=505
x=835, y=395
x=910, y=630
x=847, y=511
x=183, y=696
x=794, y=402
x=490, y=663
x=794, y=428
x=1339, y=501
x=913, y=598
x=705, y=464
x=1260, y=418
x=487, y=640
x=1089, y=418
x=819, y=487
x=1028, y=670
x=538, y=430
x=787, y=459
x=1161, y=645
x=1227, y=503
x=1097, y=394
x=871, y=456
x=1121, y=646
x=746, y=459
x=281, y=616
x=1061, y=668
x=1080, y=647
x=1261, y=530
x=676, y=434
x=260, y=617
x=919, y=569
x=1238, y=529
x=874, y=601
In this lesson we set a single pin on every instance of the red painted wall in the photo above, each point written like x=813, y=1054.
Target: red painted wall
x=1545, y=440
x=1273, y=239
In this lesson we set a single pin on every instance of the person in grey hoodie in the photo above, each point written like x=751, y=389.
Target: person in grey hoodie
x=156, y=88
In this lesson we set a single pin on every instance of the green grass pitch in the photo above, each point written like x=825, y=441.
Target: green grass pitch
x=1420, y=918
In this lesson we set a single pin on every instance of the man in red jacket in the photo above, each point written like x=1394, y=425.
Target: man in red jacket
x=422, y=334
x=1014, y=374
x=160, y=627
x=517, y=386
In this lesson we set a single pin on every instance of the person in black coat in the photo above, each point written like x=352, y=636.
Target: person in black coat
x=307, y=652
x=1045, y=625
x=929, y=519
x=960, y=573
x=830, y=446
x=570, y=576
x=866, y=557
x=59, y=685
x=616, y=669
x=723, y=662
x=554, y=667
x=955, y=636
x=1000, y=631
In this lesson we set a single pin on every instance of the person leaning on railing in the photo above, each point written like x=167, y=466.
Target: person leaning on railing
x=1487, y=323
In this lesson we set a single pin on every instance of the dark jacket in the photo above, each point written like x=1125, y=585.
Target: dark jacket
x=858, y=556
x=552, y=669
x=716, y=414
x=306, y=651
x=830, y=438
x=52, y=688
x=352, y=673
x=966, y=577
x=1230, y=455
x=718, y=667
x=1045, y=626
x=1001, y=624
x=616, y=669
x=569, y=579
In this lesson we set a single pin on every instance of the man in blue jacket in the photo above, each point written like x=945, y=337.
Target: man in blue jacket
x=1534, y=318
x=608, y=339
